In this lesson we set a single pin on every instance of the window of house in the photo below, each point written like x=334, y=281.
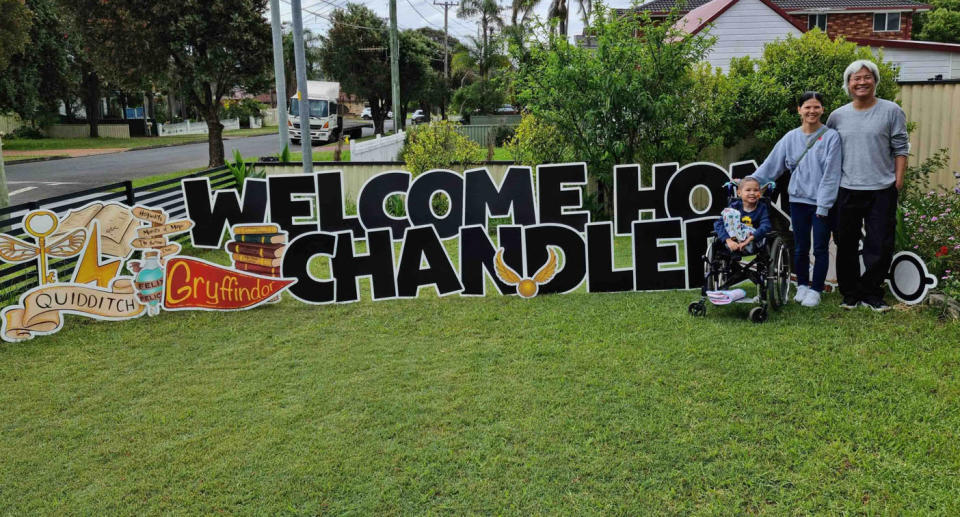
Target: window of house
x=886, y=22
x=817, y=20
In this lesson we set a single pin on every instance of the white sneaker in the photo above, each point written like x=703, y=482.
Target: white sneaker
x=812, y=299
x=802, y=291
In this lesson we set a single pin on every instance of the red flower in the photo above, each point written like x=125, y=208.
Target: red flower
x=943, y=251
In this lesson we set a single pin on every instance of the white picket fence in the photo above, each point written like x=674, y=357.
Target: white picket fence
x=256, y=122
x=194, y=128
x=380, y=149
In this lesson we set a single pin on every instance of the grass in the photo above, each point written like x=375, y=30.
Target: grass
x=125, y=143
x=563, y=404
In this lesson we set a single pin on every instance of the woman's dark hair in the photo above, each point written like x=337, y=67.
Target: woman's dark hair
x=809, y=95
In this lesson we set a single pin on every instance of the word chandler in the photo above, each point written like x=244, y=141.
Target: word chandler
x=545, y=209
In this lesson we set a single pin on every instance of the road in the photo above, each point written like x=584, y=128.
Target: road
x=39, y=180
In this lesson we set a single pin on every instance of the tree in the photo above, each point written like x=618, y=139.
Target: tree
x=443, y=84
x=41, y=75
x=206, y=47
x=356, y=53
x=631, y=100
x=558, y=13
x=767, y=88
x=940, y=24
x=489, y=12
x=14, y=23
x=419, y=80
x=14, y=29
x=481, y=65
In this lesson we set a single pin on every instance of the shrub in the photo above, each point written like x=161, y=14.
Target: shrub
x=438, y=145
x=241, y=109
x=930, y=225
x=535, y=142
x=25, y=133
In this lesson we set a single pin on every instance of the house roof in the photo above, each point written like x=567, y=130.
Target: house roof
x=911, y=44
x=664, y=6
x=695, y=20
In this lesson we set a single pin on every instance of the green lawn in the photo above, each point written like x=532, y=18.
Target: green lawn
x=126, y=143
x=563, y=404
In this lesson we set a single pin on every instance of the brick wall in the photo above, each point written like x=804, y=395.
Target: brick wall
x=860, y=25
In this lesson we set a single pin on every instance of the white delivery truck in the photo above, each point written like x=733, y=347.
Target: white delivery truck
x=326, y=125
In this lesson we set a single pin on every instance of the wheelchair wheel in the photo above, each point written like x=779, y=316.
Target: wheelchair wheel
x=758, y=314
x=715, y=277
x=697, y=309
x=778, y=274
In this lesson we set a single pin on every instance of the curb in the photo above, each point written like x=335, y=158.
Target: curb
x=39, y=159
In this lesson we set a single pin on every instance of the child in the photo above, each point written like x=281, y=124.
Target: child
x=745, y=221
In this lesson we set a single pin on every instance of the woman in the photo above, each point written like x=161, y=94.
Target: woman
x=875, y=148
x=811, y=153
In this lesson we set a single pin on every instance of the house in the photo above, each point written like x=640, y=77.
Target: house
x=743, y=27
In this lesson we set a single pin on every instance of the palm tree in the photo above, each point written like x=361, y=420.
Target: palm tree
x=489, y=12
x=559, y=10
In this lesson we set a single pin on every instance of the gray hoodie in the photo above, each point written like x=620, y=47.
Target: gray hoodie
x=814, y=181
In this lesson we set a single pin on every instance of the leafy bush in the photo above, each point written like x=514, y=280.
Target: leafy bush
x=242, y=170
x=438, y=145
x=769, y=87
x=242, y=109
x=535, y=142
x=25, y=133
x=929, y=224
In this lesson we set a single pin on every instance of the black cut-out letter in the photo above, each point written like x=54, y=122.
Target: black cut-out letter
x=373, y=196
x=631, y=199
x=420, y=206
x=477, y=253
x=515, y=196
x=681, y=187
x=283, y=209
x=554, y=195
x=601, y=276
x=696, y=232
x=209, y=220
x=648, y=254
x=333, y=218
x=296, y=264
x=348, y=267
x=423, y=243
x=538, y=238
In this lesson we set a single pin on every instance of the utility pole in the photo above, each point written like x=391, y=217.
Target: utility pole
x=306, y=141
x=446, y=44
x=395, y=67
x=280, y=82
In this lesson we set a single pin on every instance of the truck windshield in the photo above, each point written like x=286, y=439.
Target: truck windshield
x=318, y=108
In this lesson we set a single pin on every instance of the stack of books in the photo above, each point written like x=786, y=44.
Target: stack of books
x=258, y=248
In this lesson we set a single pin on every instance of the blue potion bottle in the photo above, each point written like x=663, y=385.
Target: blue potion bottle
x=150, y=281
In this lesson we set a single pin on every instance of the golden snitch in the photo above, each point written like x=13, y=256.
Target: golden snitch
x=526, y=287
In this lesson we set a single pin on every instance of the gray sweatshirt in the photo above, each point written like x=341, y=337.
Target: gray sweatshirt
x=815, y=179
x=871, y=139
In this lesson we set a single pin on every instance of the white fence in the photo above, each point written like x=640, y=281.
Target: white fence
x=9, y=123
x=194, y=128
x=380, y=149
x=256, y=122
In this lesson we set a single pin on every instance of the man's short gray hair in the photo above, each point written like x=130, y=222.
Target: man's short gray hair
x=855, y=67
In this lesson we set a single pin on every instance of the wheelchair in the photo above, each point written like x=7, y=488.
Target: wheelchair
x=769, y=269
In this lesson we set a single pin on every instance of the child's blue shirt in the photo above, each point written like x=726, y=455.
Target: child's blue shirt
x=758, y=219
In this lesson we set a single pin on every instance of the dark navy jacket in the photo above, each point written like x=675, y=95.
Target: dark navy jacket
x=759, y=219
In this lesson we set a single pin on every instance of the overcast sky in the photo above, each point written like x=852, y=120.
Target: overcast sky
x=413, y=14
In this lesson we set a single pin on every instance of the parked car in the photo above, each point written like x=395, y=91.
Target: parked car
x=418, y=117
x=507, y=109
x=366, y=114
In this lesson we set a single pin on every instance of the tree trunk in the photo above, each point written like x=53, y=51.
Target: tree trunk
x=91, y=86
x=214, y=137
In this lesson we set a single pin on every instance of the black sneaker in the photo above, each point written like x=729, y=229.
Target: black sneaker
x=875, y=304
x=849, y=303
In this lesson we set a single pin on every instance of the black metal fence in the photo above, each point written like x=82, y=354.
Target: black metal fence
x=16, y=279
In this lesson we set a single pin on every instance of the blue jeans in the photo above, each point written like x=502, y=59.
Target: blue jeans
x=804, y=220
